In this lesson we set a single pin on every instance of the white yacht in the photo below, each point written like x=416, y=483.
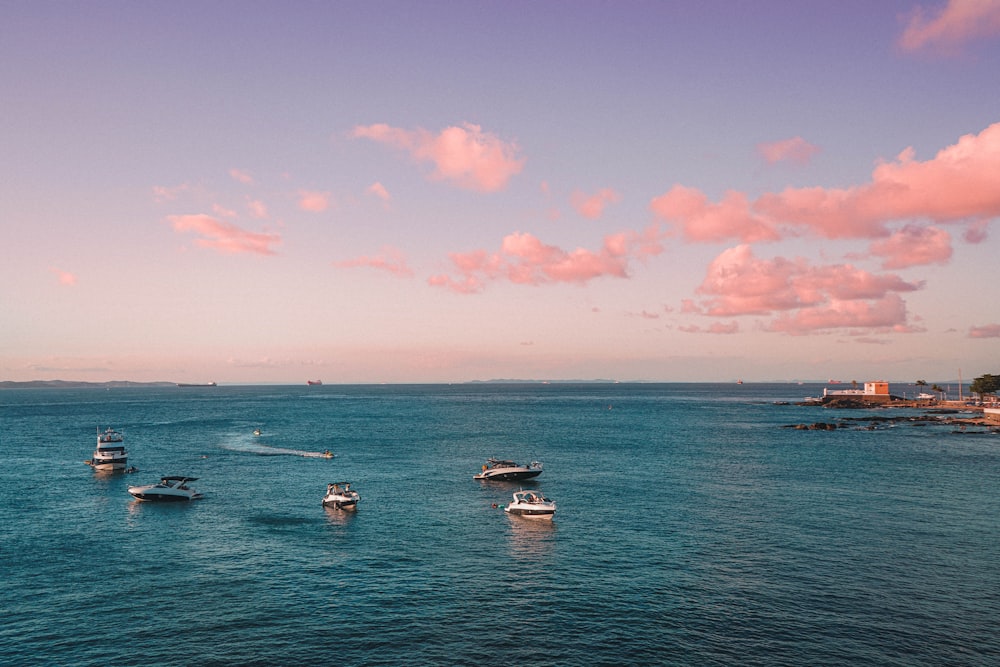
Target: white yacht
x=531, y=504
x=173, y=488
x=110, y=453
x=339, y=495
x=507, y=471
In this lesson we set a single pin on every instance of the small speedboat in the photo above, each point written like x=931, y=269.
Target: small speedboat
x=173, y=488
x=531, y=504
x=506, y=471
x=110, y=453
x=340, y=496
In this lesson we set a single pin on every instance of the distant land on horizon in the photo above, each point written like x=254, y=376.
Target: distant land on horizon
x=77, y=384
x=80, y=384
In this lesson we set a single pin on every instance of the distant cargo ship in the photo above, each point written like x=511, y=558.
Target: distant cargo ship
x=187, y=384
x=314, y=382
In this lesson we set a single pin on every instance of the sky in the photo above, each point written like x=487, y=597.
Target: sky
x=397, y=192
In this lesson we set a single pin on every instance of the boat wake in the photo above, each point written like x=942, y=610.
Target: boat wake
x=267, y=450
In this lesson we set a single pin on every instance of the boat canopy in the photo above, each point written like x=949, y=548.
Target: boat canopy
x=530, y=496
x=501, y=463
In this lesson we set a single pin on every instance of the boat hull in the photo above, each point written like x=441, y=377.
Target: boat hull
x=160, y=497
x=508, y=475
x=531, y=513
x=109, y=464
x=349, y=505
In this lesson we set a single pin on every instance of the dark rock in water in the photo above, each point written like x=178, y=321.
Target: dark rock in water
x=849, y=404
x=821, y=426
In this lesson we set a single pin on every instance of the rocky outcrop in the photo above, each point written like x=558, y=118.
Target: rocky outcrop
x=856, y=402
x=818, y=426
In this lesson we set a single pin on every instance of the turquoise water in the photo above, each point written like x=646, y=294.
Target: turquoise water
x=692, y=529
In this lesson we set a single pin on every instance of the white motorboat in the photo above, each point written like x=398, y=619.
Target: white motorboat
x=173, y=488
x=339, y=495
x=531, y=504
x=507, y=471
x=110, y=453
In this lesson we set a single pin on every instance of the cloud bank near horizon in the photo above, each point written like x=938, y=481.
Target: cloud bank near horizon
x=900, y=213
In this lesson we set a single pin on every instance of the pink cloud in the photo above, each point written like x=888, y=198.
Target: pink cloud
x=956, y=185
x=390, y=259
x=976, y=232
x=867, y=340
x=912, y=246
x=64, y=277
x=466, y=285
x=804, y=296
x=689, y=306
x=222, y=211
x=714, y=328
x=378, y=190
x=741, y=284
x=257, y=208
x=465, y=156
x=985, y=331
x=314, y=201
x=703, y=221
x=165, y=193
x=592, y=206
x=952, y=26
x=830, y=213
x=885, y=314
x=523, y=259
x=224, y=236
x=241, y=176
x=796, y=150
x=724, y=328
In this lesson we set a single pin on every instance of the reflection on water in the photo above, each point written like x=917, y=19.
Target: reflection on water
x=531, y=538
x=338, y=517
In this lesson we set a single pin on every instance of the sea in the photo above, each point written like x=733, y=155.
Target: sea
x=695, y=526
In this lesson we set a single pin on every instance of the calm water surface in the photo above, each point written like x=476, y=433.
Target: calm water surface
x=692, y=529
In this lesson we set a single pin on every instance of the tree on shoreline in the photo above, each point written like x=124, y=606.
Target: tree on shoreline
x=985, y=385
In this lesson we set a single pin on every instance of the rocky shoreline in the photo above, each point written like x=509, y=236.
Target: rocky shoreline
x=964, y=419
